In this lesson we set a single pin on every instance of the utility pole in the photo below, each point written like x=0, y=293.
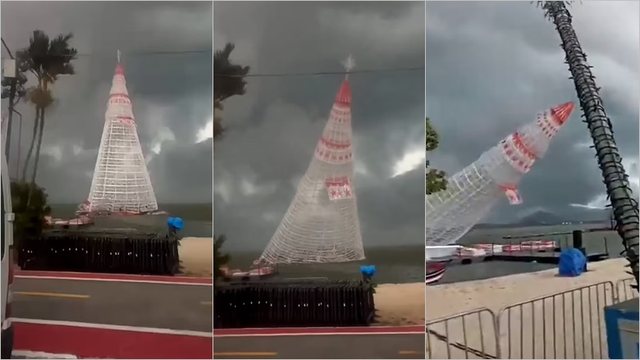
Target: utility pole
x=9, y=72
x=19, y=145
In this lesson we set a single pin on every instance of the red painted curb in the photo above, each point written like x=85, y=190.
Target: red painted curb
x=418, y=329
x=112, y=277
x=112, y=344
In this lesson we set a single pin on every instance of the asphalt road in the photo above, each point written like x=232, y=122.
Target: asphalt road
x=370, y=346
x=169, y=306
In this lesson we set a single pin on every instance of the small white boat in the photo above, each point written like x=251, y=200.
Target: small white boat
x=81, y=220
x=466, y=252
x=444, y=252
x=255, y=273
x=441, y=252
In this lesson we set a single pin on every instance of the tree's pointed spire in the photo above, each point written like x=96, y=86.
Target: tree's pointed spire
x=344, y=93
x=562, y=112
x=349, y=63
x=119, y=67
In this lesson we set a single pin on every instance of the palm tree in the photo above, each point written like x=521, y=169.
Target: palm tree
x=47, y=59
x=41, y=99
x=436, y=179
x=229, y=80
x=625, y=207
x=219, y=259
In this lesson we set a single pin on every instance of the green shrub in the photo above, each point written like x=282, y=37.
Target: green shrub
x=219, y=259
x=29, y=202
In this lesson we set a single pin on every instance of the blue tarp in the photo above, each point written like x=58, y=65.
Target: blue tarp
x=368, y=270
x=572, y=262
x=175, y=223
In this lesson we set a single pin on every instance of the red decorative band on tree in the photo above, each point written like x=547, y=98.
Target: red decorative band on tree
x=339, y=188
x=520, y=145
x=127, y=120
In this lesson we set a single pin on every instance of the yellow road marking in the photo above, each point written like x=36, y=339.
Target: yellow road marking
x=245, y=354
x=407, y=352
x=51, y=294
x=206, y=303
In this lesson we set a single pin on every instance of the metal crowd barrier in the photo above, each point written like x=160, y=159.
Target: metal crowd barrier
x=566, y=325
x=471, y=334
x=625, y=291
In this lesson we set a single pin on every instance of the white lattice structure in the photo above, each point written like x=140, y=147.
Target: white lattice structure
x=121, y=183
x=321, y=224
x=472, y=192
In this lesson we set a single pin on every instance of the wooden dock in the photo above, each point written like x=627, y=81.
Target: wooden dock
x=540, y=257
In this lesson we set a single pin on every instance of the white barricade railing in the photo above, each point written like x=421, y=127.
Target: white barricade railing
x=566, y=325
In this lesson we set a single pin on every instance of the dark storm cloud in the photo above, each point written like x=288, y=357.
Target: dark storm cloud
x=171, y=93
x=492, y=66
x=272, y=129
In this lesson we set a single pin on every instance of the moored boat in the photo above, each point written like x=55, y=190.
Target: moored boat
x=81, y=220
x=442, y=251
x=435, y=271
x=255, y=273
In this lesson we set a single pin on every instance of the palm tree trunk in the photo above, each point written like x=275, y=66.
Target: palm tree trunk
x=33, y=142
x=12, y=96
x=37, y=158
x=625, y=207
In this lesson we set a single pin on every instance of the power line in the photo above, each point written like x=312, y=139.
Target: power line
x=321, y=73
x=159, y=52
x=6, y=47
x=135, y=53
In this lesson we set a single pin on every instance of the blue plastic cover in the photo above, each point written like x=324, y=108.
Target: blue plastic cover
x=572, y=262
x=175, y=223
x=368, y=270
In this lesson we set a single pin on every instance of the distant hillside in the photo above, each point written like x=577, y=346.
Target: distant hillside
x=541, y=218
x=546, y=218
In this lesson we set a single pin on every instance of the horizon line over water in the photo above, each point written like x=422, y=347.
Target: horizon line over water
x=197, y=217
x=394, y=264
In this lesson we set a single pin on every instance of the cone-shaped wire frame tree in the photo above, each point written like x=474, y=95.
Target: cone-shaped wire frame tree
x=472, y=192
x=121, y=182
x=321, y=224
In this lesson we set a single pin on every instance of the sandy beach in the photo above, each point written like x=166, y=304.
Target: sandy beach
x=196, y=256
x=400, y=304
x=570, y=325
x=494, y=293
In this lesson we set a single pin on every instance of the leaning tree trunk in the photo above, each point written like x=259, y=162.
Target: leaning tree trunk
x=33, y=143
x=625, y=207
x=38, y=148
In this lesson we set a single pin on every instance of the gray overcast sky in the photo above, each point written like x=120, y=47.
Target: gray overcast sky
x=171, y=94
x=492, y=66
x=273, y=128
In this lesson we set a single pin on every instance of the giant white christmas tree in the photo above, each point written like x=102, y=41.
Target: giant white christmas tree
x=121, y=183
x=321, y=224
x=472, y=192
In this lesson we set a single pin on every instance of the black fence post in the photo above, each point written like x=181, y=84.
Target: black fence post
x=101, y=251
x=577, y=244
